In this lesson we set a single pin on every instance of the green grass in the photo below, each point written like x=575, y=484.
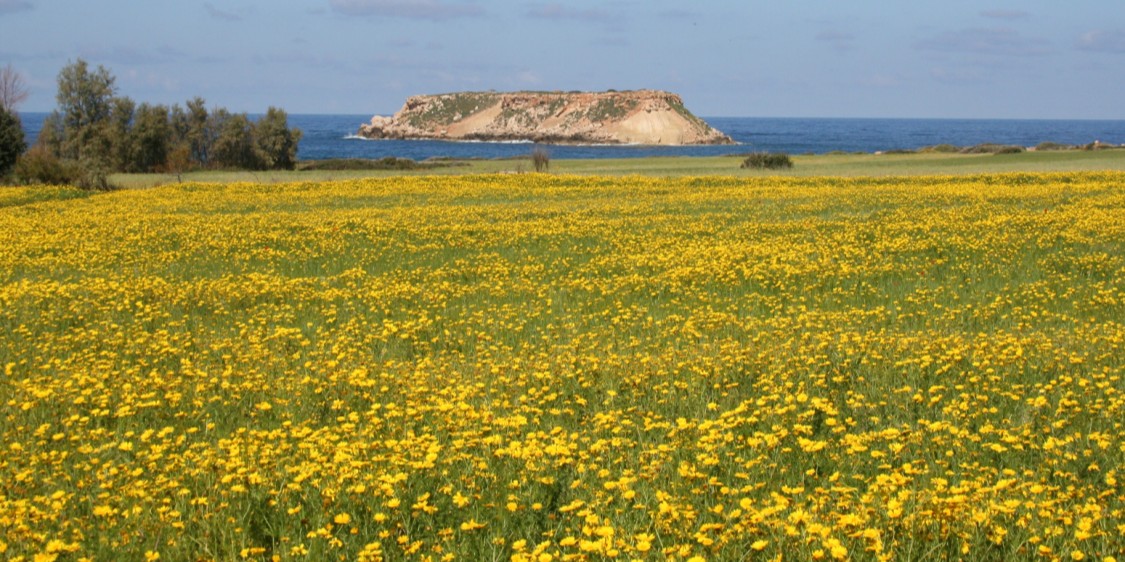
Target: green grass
x=817, y=165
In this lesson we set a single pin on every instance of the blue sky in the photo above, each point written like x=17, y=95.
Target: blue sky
x=816, y=58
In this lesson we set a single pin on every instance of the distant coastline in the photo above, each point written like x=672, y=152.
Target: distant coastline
x=326, y=136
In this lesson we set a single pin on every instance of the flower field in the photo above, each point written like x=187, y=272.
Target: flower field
x=538, y=368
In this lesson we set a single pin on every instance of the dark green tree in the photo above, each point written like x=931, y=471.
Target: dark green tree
x=234, y=148
x=12, y=144
x=152, y=138
x=200, y=135
x=120, y=130
x=275, y=142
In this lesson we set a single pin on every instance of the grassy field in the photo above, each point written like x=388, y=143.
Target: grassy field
x=562, y=367
x=818, y=165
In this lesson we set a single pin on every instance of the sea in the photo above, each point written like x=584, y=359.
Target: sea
x=334, y=136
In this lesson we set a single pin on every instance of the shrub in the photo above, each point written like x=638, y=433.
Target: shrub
x=1098, y=145
x=40, y=165
x=941, y=148
x=93, y=173
x=1048, y=145
x=540, y=159
x=992, y=148
x=767, y=161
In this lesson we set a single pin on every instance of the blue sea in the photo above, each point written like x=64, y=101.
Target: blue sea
x=333, y=136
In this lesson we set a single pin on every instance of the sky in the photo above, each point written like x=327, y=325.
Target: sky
x=726, y=58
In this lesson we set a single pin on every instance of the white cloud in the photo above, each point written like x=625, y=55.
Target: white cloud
x=990, y=41
x=839, y=40
x=557, y=11
x=220, y=14
x=1106, y=41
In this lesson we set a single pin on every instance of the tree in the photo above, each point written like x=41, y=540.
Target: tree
x=85, y=101
x=12, y=89
x=12, y=144
x=178, y=162
x=120, y=131
x=151, y=136
x=98, y=133
x=199, y=134
x=51, y=134
x=275, y=142
x=234, y=148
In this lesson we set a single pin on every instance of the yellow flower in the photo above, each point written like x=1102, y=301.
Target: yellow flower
x=759, y=544
x=472, y=525
x=342, y=519
x=151, y=556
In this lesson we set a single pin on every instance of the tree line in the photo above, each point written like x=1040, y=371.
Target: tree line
x=12, y=93
x=94, y=132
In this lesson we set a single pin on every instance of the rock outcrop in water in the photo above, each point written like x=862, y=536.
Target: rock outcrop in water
x=637, y=117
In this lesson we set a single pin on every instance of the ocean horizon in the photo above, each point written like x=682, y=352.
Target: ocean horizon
x=328, y=136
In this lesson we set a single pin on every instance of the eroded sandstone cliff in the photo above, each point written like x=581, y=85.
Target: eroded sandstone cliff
x=635, y=117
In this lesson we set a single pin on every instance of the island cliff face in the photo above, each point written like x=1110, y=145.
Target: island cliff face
x=635, y=117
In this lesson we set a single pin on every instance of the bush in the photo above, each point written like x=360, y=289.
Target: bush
x=941, y=148
x=1048, y=145
x=540, y=159
x=767, y=161
x=992, y=148
x=40, y=165
x=1098, y=145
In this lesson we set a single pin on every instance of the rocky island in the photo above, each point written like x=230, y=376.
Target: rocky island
x=649, y=117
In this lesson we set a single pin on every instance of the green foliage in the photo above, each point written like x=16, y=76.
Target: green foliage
x=51, y=134
x=767, y=161
x=101, y=133
x=93, y=173
x=85, y=99
x=992, y=148
x=234, y=147
x=450, y=108
x=120, y=133
x=151, y=137
x=194, y=127
x=41, y=166
x=11, y=140
x=275, y=143
x=1048, y=145
x=611, y=108
x=940, y=148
